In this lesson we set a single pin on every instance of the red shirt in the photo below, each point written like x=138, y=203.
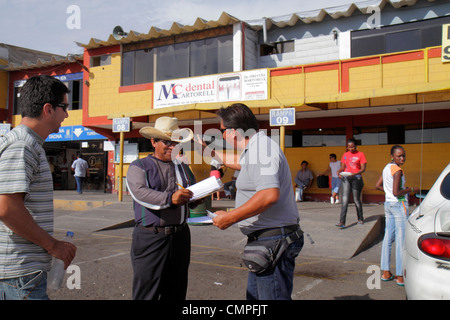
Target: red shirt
x=353, y=161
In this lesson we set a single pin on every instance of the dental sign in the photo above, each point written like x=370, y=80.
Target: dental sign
x=446, y=43
x=240, y=86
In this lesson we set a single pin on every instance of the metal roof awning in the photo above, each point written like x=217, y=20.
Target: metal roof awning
x=155, y=33
x=336, y=12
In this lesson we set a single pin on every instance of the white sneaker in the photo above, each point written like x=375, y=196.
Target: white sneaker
x=337, y=201
x=331, y=200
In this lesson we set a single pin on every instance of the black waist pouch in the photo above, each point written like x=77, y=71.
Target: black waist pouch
x=261, y=256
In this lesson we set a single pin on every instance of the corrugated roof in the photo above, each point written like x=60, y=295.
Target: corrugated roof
x=154, y=33
x=42, y=63
x=17, y=58
x=337, y=12
x=279, y=21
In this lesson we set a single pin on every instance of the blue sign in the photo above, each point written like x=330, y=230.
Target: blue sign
x=74, y=133
x=282, y=117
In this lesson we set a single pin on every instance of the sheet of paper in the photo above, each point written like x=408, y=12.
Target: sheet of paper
x=211, y=214
x=205, y=187
x=202, y=219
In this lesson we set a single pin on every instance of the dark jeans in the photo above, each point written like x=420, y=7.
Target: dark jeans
x=277, y=284
x=160, y=264
x=355, y=185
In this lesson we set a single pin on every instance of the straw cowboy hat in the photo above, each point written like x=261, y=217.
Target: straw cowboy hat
x=166, y=128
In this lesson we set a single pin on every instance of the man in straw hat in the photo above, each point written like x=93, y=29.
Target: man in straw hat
x=161, y=245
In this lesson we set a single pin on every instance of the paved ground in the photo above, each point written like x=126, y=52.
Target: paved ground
x=333, y=265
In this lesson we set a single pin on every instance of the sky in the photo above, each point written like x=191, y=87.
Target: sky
x=55, y=26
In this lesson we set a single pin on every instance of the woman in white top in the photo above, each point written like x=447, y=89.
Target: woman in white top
x=392, y=182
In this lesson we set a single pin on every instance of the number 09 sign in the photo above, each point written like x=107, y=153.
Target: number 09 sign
x=282, y=117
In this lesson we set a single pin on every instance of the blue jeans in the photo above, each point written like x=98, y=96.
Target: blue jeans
x=30, y=287
x=277, y=284
x=79, y=184
x=396, y=214
x=335, y=185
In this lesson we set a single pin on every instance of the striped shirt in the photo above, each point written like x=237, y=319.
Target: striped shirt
x=24, y=169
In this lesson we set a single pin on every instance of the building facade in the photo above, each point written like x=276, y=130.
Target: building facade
x=375, y=71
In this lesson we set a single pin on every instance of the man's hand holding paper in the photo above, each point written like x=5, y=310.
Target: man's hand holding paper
x=222, y=220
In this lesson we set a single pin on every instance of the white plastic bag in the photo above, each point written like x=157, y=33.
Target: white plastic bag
x=298, y=194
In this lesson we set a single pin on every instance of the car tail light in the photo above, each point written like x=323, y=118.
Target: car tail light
x=435, y=245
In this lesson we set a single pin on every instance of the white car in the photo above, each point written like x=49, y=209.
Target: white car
x=426, y=259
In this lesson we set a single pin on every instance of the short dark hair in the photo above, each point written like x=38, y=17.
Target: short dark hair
x=333, y=155
x=238, y=116
x=352, y=140
x=395, y=148
x=39, y=90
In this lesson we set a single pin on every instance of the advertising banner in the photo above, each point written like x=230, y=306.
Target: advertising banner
x=239, y=86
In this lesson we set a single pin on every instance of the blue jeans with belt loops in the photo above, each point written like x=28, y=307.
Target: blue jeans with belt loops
x=277, y=284
x=396, y=214
x=29, y=287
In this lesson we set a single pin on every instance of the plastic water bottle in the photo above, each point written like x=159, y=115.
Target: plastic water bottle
x=56, y=274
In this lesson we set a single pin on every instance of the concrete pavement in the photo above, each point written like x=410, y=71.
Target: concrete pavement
x=326, y=269
x=317, y=220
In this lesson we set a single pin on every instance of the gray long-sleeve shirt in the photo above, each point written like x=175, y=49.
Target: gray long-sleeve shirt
x=151, y=183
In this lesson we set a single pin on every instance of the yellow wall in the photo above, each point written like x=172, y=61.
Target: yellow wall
x=438, y=71
x=435, y=158
x=364, y=78
x=322, y=83
x=104, y=96
x=403, y=73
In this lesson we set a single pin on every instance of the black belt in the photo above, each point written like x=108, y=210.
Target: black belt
x=167, y=230
x=272, y=232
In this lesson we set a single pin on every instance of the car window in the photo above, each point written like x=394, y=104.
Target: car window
x=445, y=187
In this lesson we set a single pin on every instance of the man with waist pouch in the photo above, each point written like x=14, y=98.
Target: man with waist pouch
x=161, y=245
x=265, y=206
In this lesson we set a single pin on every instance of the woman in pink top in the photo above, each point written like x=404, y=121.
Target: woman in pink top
x=353, y=164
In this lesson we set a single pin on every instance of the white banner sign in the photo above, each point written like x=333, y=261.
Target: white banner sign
x=240, y=86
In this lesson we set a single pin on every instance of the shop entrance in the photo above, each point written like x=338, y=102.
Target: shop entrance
x=61, y=155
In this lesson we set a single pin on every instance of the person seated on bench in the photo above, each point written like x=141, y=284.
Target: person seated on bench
x=303, y=179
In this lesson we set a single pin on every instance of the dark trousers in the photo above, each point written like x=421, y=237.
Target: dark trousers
x=355, y=185
x=160, y=264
